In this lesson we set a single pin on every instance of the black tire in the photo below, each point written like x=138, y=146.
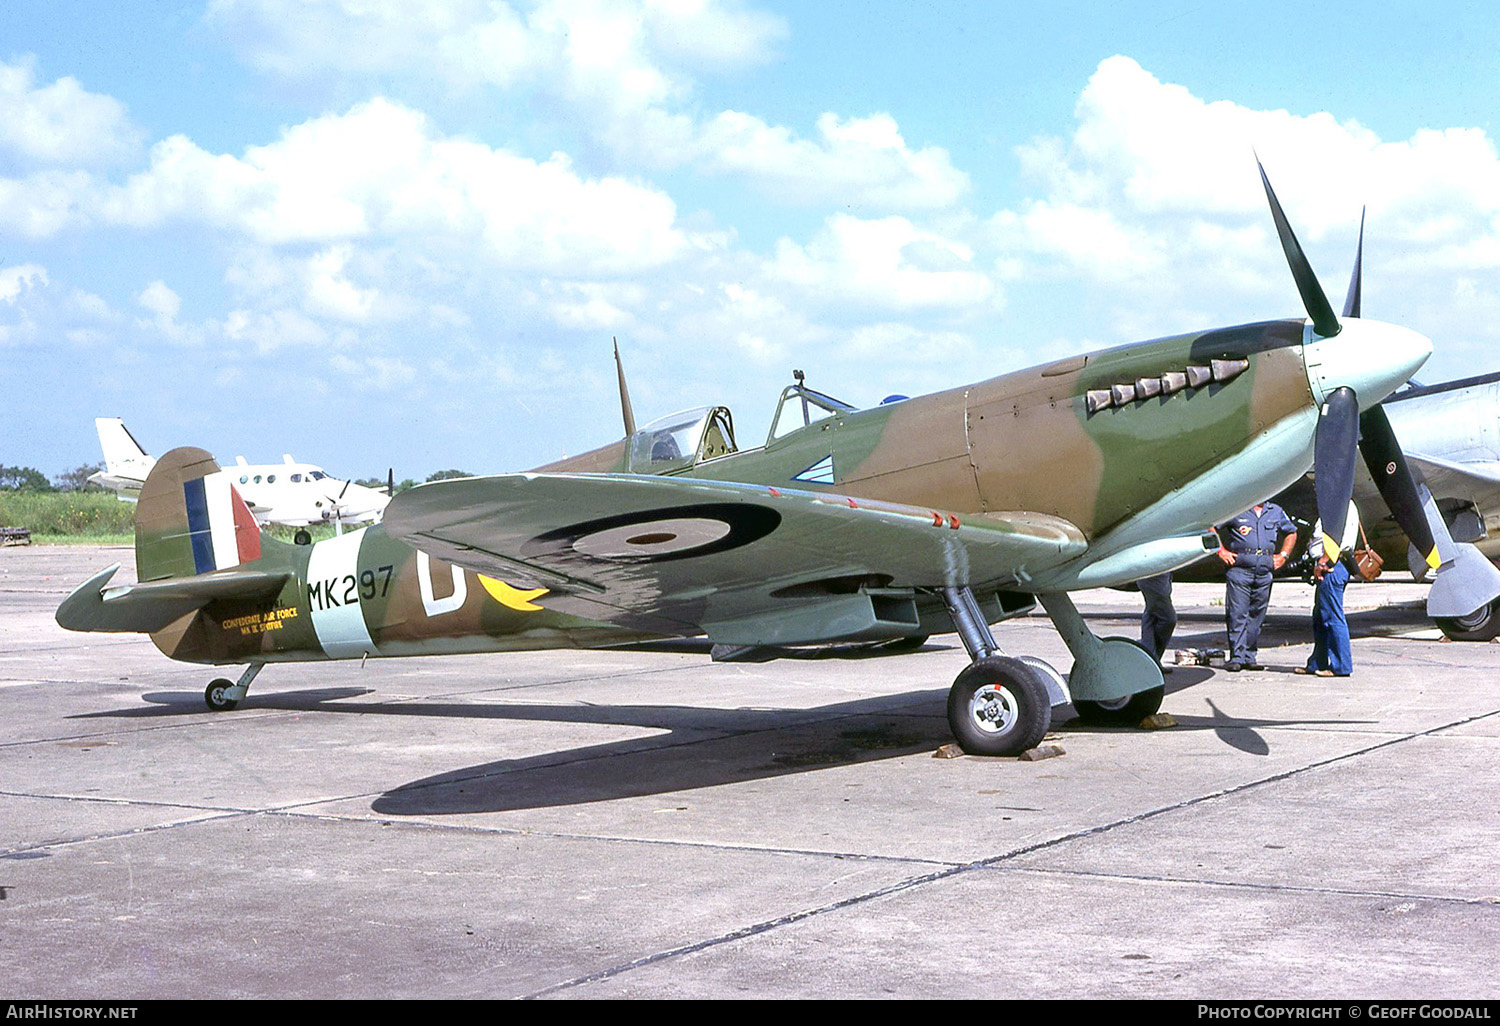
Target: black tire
x=214, y=695
x=1481, y=625
x=999, y=706
x=1121, y=712
x=302, y=537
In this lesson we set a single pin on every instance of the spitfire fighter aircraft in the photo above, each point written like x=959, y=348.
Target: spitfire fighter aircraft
x=950, y=511
x=288, y=493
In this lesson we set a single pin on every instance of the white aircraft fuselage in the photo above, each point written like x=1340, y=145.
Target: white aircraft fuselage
x=288, y=493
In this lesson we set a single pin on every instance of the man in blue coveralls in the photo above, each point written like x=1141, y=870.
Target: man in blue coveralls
x=1331, y=655
x=1253, y=545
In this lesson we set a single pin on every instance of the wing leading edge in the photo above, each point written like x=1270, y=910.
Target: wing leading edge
x=742, y=563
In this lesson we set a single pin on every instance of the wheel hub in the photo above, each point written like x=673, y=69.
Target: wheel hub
x=993, y=709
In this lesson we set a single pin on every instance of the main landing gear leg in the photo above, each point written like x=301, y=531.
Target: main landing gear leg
x=1114, y=680
x=222, y=696
x=1000, y=705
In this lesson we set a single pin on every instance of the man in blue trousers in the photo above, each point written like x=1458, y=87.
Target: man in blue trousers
x=1253, y=545
x=1331, y=656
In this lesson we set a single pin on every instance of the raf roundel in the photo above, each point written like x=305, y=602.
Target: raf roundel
x=656, y=535
x=652, y=538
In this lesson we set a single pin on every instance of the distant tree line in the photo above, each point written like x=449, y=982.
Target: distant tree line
x=29, y=479
x=401, y=486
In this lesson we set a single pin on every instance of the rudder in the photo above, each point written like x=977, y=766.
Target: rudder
x=191, y=520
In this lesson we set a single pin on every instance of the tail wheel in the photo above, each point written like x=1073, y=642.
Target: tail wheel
x=1120, y=712
x=999, y=706
x=1481, y=625
x=214, y=696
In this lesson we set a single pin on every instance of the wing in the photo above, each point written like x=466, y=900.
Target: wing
x=94, y=606
x=745, y=564
x=1477, y=481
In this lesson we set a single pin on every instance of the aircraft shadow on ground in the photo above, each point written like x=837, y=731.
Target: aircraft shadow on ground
x=694, y=747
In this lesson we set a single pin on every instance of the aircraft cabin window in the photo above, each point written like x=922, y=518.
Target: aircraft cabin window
x=257, y=479
x=271, y=479
x=296, y=479
x=318, y=475
x=244, y=479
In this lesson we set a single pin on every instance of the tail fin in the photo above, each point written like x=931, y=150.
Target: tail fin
x=191, y=520
x=122, y=453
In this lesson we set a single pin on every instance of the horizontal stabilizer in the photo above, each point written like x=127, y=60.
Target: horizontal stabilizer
x=95, y=606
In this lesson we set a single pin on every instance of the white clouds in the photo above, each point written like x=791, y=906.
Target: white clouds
x=620, y=51
x=379, y=171
x=331, y=293
x=269, y=330
x=19, y=279
x=61, y=123
x=161, y=301
x=859, y=160
x=889, y=264
x=621, y=68
x=1154, y=204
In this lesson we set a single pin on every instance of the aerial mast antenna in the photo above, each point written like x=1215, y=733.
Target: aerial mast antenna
x=625, y=409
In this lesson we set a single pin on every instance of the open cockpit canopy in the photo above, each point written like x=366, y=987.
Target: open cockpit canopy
x=802, y=407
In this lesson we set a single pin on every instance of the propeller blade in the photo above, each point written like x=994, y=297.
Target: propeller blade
x=1393, y=477
x=343, y=490
x=1333, y=455
x=1356, y=280
x=390, y=481
x=1313, y=298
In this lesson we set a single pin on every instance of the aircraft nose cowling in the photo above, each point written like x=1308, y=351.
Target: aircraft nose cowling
x=1370, y=357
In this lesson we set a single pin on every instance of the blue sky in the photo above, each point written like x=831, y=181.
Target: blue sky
x=403, y=234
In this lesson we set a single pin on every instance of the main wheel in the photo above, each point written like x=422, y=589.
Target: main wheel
x=1481, y=625
x=999, y=706
x=1119, y=712
x=214, y=696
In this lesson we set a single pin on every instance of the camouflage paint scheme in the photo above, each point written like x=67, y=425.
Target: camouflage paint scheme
x=1025, y=441
x=1036, y=487
x=362, y=593
x=1006, y=463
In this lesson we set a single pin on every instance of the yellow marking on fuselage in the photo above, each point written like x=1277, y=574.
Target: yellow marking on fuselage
x=512, y=597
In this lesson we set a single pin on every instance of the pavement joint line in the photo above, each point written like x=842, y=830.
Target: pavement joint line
x=112, y=835
x=1338, y=892
x=859, y=899
x=267, y=714
x=1230, y=791
x=526, y=687
x=668, y=842
x=304, y=810
x=747, y=931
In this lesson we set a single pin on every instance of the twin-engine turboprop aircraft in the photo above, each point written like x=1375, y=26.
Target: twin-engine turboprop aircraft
x=288, y=493
x=950, y=511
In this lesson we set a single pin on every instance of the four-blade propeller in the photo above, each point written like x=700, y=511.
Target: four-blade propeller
x=1462, y=584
